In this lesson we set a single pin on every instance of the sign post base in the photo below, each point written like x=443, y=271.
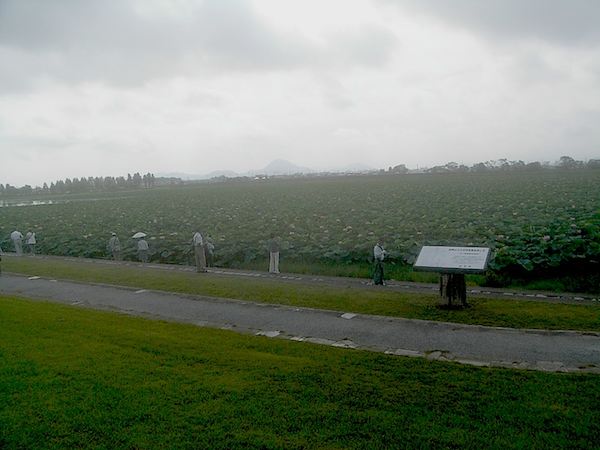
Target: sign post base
x=453, y=288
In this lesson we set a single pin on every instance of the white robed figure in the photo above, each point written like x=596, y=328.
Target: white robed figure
x=379, y=254
x=273, y=247
x=114, y=247
x=143, y=250
x=17, y=239
x=30, y=241
x=199, y=255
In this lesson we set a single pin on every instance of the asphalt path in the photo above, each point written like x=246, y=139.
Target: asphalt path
x=566, y=351
x=403, y=286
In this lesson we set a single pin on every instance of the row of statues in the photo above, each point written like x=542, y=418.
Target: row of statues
x=203, y=248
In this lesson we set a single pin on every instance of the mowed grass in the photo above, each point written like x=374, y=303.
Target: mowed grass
x=354, y=270
x=75, y=378
x=367, y=300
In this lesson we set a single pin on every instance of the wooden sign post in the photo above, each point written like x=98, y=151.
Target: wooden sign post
x=452, y=263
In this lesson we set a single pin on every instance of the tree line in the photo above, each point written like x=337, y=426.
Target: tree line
x=89, y=184
x=135, y=181
x=565, y=162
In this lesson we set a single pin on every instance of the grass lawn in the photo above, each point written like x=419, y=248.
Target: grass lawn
x=355, y=270
x=75, y=378
x=366, y=300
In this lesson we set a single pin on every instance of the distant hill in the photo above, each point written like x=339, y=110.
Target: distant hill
x=281, y=167
x=276, y=167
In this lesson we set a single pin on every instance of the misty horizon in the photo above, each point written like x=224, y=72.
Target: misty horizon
x=281, y=167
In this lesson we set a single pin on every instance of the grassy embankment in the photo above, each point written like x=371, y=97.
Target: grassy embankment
x=366, y=300
x=74, y=378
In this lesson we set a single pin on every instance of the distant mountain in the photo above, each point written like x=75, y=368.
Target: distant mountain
x=276, y=167
x=281, y=167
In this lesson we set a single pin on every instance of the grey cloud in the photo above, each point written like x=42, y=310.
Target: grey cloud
x=77, y=40
x=530, y=68
x=337, y=101
x=368, y=46
x=38, y=143
x=27, y=148
x=110, y=41
x=204, y=100
x=584, y=128
x=335, y=95
x=567, y=22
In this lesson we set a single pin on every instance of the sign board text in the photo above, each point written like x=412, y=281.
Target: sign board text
x=453, y=259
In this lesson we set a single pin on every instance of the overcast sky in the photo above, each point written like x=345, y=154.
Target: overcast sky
x=90, y=88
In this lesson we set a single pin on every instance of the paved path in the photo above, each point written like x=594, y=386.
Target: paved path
x=478, y=345
x=403, y=286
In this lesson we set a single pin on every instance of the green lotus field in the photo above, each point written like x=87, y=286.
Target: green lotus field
x=540, y=224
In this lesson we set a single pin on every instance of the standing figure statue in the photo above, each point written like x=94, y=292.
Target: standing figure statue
x=17, y=239
x=142, y=247
x=378, y=257
x=199, y=255
x=209, y=251
x=273, y=247
x=114, y=247
x=30, y=242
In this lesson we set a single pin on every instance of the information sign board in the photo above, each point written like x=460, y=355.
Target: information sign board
x=453, y=259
